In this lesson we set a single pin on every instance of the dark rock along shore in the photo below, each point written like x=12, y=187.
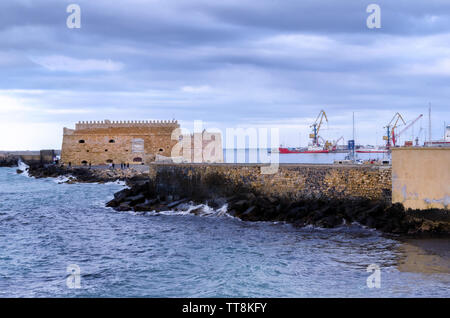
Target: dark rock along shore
x=249, y=206
x=8, y=161
x=84, y=174
x=166, y=192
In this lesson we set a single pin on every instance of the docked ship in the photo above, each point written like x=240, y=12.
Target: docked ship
x=445, y=142
x=310, y=149
x=314, y=146
x=372, y=150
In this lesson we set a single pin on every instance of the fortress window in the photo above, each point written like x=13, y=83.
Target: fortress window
x=111, y=141
x=160, y=149
x=87, y=150
x=109, y=161
x=84, y=162
x=137, y=159
x=106, y=150
x=81, y=141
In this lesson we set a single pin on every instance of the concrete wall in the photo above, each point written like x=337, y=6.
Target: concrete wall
x=292, y=182
x=47, y=155
x=30, y=157
x=421, y=177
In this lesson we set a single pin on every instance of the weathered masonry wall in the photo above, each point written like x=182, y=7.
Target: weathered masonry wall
x=292, y=182
x=104, y=142
x=421, y=177
x=137, y=142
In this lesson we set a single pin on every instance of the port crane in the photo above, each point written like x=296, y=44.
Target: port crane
x=316, y=127
x=390, y=129
x=335, y=144
x=408, y=126
x=326, y=144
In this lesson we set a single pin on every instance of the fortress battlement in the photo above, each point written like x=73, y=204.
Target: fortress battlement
x=124, y=123
x=132, y=142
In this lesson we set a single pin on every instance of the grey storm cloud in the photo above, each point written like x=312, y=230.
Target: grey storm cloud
x=231, y=62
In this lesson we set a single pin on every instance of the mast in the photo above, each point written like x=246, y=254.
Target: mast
x=353, y=126
x=429, y=122
x=354, y=143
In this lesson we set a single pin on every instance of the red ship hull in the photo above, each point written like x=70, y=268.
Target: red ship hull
x=287, y=150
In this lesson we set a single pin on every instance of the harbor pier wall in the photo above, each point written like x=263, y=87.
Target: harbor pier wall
x=292, y=182
x=320, y=195
x=10, y=158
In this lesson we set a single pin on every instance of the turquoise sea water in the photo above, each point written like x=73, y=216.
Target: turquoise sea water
x=46, y=226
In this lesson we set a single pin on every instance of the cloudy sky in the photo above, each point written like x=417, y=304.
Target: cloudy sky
x=230, y=63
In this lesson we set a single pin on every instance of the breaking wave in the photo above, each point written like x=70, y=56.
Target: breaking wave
x=190, y=208
x=118, y=182
x=63, y=179
x=24, y=167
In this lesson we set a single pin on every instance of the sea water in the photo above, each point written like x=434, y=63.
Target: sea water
x=48, y=228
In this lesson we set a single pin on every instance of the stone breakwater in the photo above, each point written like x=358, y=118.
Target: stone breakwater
x=320, y=195
x=86, y=175
x=8, y=160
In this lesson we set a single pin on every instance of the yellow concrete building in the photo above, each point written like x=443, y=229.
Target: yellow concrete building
x=421, y=177
x=104, y=142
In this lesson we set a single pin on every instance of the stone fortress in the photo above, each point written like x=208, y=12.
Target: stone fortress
x=132, y=142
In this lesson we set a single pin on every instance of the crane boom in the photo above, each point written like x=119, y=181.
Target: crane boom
x=322, y=115
x=409, y=125
x=390, y=129
x=398, y=116
x=334, y=146
x=316, y=126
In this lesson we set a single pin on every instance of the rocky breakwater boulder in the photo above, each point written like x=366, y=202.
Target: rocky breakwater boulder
x=252, y=206
x=47, y=171
x=84, y=174
x=142, y=197
x=432, y=222
x=388, y=218
x=8, y=160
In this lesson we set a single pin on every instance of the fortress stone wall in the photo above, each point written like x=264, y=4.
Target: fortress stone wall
x=104, y=142
x=137, y=142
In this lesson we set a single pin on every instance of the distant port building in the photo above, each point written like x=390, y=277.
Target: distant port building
x=105, y=142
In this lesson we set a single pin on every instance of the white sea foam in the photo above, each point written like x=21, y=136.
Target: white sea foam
x=24, y=167
x=194, y=209
x=118, y=182
x=63, y=179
